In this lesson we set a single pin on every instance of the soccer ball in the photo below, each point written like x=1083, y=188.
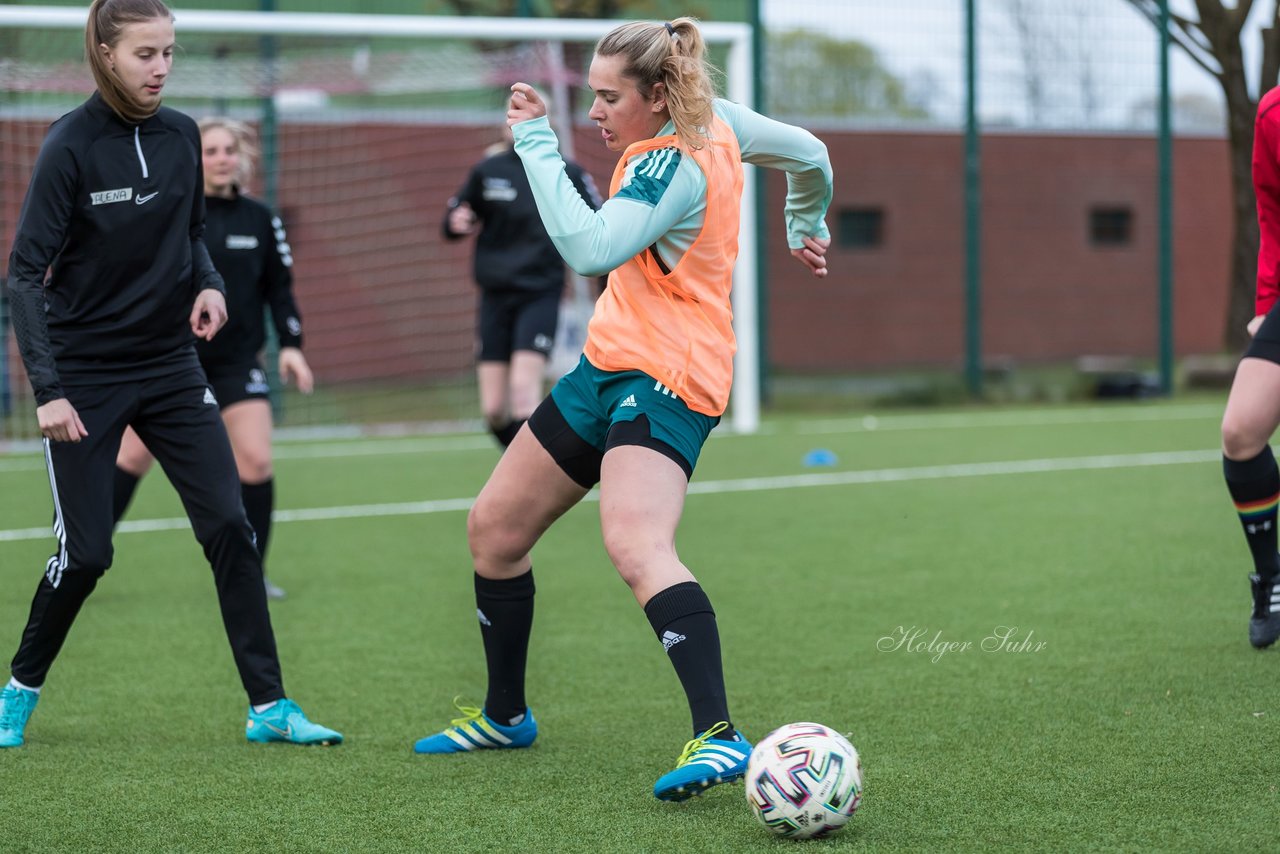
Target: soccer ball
x=804, y=781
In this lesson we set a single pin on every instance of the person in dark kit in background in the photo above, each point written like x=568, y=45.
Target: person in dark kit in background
x=521, y=277
x=249, y=249
x=114, y=214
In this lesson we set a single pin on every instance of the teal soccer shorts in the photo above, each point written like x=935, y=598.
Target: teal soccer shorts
x=590, y=411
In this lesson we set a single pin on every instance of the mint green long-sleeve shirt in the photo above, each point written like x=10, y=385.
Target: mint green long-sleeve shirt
x=662, y=199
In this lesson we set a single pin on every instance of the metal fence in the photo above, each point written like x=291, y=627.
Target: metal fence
x=976, y=230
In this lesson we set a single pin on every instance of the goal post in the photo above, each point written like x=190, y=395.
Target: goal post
x=227, y=82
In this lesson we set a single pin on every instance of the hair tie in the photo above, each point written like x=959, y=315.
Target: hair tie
x=671, y=31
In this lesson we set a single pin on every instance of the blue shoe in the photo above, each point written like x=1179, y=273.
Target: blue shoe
x=285, y=722
x=477, y=731
x=16, y=706
x=704, y=762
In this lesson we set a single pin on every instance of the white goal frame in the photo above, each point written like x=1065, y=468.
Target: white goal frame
x=745, y=398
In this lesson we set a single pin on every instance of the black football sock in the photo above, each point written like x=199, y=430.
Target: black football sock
x=683, y=620
x=505, y=611
x=259, y=500
x=1255, y=488
x=507, y=433
x=125, y=485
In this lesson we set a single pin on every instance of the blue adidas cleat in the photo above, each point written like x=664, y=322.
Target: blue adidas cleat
x=704, y=762
x=477, y=731
x=16, y=706
x=285, y=722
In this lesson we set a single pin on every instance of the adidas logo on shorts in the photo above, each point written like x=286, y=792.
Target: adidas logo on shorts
x=629, y=401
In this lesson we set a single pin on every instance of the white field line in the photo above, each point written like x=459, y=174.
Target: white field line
x=716, y=487
x=319, y=450
x=1013, y=418
x=308, y=450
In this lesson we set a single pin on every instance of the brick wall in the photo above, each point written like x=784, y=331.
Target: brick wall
x=384, y=297
x=1048, y=292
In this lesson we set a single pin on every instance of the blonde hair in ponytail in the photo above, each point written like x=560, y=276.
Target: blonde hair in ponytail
x=673, y=54
x=107, y=19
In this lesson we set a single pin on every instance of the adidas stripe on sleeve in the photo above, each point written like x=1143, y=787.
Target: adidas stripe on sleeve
x=649, y=176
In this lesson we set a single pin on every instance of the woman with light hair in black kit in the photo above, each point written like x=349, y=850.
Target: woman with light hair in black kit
x=114, y=214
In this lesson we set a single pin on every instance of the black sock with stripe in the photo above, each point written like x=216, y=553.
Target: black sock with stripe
x=505, y=611
x=1254, y=485
x=684, y=621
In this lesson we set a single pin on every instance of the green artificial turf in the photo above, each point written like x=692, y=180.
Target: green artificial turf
x=1131, y=714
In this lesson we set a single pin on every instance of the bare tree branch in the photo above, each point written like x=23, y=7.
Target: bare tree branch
x=1239, y=15
x=1038, y=49
x=1270, y=54
x=1185, y=33
x=1214, y=43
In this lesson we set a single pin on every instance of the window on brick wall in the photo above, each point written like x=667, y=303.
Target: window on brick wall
x=1111, y=225
x=860, y=228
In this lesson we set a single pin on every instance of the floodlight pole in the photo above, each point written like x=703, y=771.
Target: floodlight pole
x=1164, y=146
x=268, y=135
x=761, y=202
x=270, y=150
x=6, y=398
x=972, y=208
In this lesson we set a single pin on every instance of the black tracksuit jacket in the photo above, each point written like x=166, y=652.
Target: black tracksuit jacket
x=250, y=250
x=513, y=250
x=114, y=214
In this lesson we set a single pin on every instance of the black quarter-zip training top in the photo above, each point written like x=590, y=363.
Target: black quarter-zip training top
x=115, y=214
x=250, y=250
x=513, y=251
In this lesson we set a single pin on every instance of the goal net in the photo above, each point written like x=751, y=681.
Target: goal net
x=367, y=125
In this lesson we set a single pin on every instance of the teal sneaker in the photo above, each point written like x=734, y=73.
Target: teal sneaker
x=273, y=592
x=285, y=722
x=704, y=762
x=16, y=706
x=477, y=731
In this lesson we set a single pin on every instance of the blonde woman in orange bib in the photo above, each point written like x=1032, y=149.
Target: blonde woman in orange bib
x=655, y=375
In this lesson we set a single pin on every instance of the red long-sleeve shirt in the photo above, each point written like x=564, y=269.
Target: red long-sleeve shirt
x=1266, y=186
